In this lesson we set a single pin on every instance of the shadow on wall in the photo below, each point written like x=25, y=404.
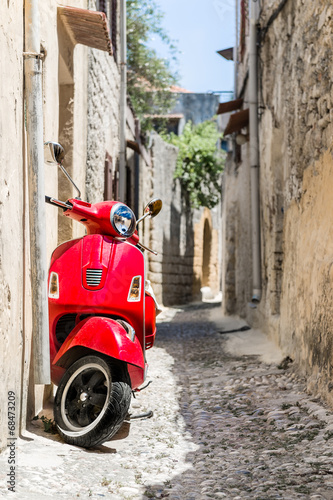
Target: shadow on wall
x=178, y=256
x=206, y=254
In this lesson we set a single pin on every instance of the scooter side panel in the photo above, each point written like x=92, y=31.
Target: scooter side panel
x=106, y=336
x=118, y=261
x=150, y=322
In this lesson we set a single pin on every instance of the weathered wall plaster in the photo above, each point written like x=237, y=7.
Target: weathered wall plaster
x=12, y=196
x=307, y=296
x=296, y=171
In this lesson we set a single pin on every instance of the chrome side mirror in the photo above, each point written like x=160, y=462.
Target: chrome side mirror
x=153, y=208
x=54, y=154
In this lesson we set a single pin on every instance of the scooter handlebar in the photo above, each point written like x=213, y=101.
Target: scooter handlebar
x=57, y=203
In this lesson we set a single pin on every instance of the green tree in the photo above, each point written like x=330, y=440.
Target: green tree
x=149, y=76
x=199, y=163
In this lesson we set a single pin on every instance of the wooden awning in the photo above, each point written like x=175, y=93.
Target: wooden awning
x=237, y=121
x=227, y=53
x=133, y=145
x=227, y=107
x=87, y=27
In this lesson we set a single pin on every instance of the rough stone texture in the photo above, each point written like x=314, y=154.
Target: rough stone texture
x=296, y=135
x=177, y=234
x=236, y=228
x=226, y=424
x=171, y=233
x=296, y=164
x=103, y=120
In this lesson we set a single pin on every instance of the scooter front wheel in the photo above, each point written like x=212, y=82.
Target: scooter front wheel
x=92, y=401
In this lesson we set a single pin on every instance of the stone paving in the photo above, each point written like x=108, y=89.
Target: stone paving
x=226, y=424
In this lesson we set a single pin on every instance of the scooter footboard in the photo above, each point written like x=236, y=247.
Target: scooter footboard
x=108, y=337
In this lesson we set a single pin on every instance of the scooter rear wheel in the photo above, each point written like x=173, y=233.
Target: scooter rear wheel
x=92, y=401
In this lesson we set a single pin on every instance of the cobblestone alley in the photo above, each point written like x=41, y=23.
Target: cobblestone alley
x=225, y=424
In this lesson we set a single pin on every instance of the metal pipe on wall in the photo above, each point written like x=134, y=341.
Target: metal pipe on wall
x=254, y=153
x=123, y=102
x=35, y=156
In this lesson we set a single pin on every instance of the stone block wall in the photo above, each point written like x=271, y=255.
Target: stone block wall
x=177, y=234
x=103, y=120
x=171, y=232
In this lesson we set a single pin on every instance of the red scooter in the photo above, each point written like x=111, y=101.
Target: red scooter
x=100, y=315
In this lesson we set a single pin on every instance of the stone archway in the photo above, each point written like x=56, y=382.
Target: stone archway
x=206, y=252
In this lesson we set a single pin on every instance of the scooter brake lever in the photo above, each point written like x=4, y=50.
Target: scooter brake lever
x=146, y=248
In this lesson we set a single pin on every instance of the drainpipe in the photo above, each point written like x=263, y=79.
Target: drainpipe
x=123, y=102
x=35, y=157
x=254, y=153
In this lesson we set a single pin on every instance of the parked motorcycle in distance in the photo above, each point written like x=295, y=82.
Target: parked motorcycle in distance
x=101, y=318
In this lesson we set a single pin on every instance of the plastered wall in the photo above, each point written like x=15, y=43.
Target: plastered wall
x=12, y=262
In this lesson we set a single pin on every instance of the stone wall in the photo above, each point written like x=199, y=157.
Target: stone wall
x=103, y=120
x=236, y=230
x=171, y=232
x=178, y=234
x=296, y=163
x=296, y=183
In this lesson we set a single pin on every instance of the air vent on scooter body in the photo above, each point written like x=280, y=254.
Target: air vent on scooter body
x=94, y=277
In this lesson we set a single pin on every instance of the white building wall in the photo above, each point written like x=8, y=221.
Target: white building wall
x=12, y=197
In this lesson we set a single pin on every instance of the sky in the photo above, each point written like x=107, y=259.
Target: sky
x=200, y=28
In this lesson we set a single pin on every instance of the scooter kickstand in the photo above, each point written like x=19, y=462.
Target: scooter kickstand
x=148, y=414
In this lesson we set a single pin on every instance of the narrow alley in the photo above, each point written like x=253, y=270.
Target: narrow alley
x=226, y=423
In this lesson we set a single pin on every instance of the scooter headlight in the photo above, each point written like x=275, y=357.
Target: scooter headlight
x=123, y=220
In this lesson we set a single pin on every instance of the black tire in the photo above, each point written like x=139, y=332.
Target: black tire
x=92, y=401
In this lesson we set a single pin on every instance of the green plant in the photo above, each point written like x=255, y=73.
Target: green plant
x=49, y=424
x=199, y=165
x=149, y=76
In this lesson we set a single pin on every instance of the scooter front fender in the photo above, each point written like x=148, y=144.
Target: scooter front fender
x=102, y=335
